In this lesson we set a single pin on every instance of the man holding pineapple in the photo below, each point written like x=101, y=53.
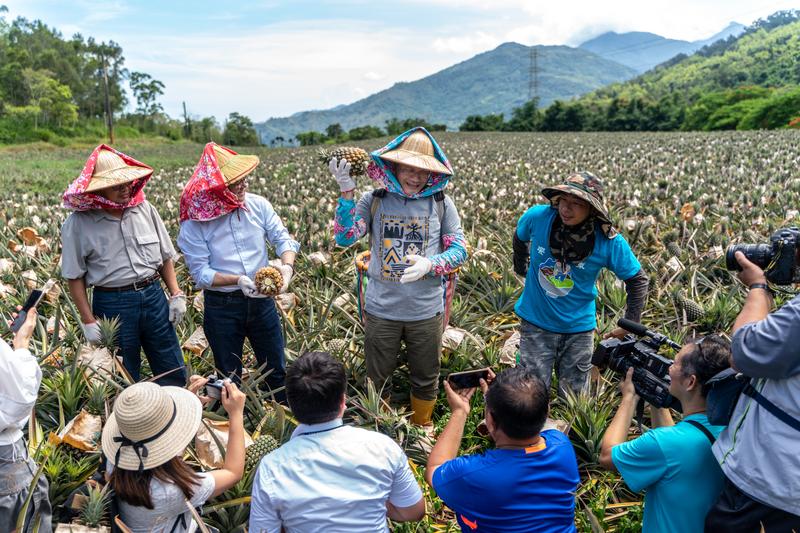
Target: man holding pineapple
x=415, y=238
x=223, y=235
x=115, y=241
x=567, y=243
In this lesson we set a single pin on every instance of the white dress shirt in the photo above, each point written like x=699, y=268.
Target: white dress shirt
x=20, y=377
x=234, y=243
x=333, y=478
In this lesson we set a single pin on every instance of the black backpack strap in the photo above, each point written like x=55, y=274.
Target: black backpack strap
x=702, y=428
x=776, y=411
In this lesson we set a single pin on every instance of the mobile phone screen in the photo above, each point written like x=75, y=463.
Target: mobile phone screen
x=468, y=379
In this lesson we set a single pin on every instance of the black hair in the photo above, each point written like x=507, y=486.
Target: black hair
x=518, y=402
x=315, y=384
x=710, y=355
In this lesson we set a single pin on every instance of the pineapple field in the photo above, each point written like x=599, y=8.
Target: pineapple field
x=679, y=199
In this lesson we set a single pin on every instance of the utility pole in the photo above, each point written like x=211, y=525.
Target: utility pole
x=187, y=126
x=109, y=117
x=533, y=74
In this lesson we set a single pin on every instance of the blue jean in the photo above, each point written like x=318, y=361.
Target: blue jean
x=230, y=317
x=570, y=353
x=144, y=324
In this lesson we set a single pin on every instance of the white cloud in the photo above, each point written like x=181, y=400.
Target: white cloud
x=373, y=76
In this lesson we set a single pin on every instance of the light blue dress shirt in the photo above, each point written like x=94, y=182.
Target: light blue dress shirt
x=333, y=478
x=234, y=243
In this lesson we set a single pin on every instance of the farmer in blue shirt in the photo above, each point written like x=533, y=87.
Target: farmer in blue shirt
x=560, y=248
x=673, y=463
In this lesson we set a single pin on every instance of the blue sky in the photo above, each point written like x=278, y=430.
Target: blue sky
x=269, y=58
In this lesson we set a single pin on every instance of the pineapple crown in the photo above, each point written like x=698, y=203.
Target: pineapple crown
x=381, y=171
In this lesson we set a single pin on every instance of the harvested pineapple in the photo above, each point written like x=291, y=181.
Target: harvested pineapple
x=269, y=281
x=357, y=157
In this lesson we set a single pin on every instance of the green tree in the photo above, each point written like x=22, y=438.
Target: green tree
x=482, y=123
x=334, y=131
x=146, y=90
x=361, y=133
x=53, y=99
x=239, y=131
x=310, y=138
x=527, y=117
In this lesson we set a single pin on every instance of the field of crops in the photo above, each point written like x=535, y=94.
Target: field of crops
x=679, y=198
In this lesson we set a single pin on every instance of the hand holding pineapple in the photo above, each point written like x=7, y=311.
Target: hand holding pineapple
x=248, y=288
x=340, y=169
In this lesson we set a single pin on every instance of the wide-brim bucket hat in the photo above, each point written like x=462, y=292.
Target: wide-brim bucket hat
x=111, y=170
x=234, y=166
x=417, y=151
x=587, y=187
x=150, y=425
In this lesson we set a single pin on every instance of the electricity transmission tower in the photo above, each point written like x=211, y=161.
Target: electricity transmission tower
x=533, y=74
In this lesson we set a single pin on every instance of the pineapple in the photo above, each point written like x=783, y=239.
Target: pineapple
x=674, y=248
x=95, y=506
x=336, y=346
x=357, y=157
x=260, y=447
x=269, y=281
x=694, y=311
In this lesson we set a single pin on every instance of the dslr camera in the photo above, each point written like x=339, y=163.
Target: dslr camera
x=650, y=370
x=778, y=259
x=214, y=387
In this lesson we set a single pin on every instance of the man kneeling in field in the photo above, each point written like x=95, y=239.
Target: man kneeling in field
x=527, y=482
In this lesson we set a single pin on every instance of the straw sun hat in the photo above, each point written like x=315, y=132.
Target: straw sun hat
x=416, y=151
x=150, y=425
x=234, y=166
x=110, y=170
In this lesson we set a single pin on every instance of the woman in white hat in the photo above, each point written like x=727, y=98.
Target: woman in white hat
x=116, y=242
x=145, y=438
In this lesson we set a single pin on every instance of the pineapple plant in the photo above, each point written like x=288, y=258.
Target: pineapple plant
x=109, y=330
x=260, y=447
x=268, y=280
x=95, y=507
x=693, y=310
x=357, y=157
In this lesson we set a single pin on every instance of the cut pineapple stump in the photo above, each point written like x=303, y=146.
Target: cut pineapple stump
x=269, y=281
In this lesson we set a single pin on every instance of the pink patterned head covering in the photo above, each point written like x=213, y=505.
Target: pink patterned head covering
x=76, y=197
x=206, y=196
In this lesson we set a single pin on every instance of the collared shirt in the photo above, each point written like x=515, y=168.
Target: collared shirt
x=21, y=377
x=111, y=251
x=758, y=452
x=234, y=243
x=333, y=478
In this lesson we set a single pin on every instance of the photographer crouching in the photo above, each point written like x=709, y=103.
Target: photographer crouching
x=672, y=462
x=759, y=451
x=19, y=386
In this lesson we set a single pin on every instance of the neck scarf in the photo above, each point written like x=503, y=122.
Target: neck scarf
x=206, y=196
x=571, y=244
x=77, y=199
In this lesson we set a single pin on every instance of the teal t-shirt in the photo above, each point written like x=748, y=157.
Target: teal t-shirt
x=676, y=469
x=562, y=300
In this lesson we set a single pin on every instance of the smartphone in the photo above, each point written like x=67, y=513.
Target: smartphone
x=468, y=379
x=33, y=300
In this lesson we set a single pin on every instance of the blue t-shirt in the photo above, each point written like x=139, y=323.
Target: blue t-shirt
x=523, y=490
x=563, y=300
x=676, y=468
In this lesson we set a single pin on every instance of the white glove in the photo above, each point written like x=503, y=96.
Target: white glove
x=177, y=308
x=248, y=287
x=419, y=267
x=287, y=273
x=91, y=332
x=341, y=171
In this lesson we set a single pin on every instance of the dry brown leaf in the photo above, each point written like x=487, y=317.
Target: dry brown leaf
x=687, y=212
x=197, y=342
x=28, y=235
x=206, y=447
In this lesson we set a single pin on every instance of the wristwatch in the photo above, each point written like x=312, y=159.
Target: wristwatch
x=760, y=286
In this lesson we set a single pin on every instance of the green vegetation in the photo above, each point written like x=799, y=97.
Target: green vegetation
x=749, y=82
x=335, y=134
x=54, y=90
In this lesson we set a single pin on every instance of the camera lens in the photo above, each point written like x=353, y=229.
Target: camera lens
x=760, y=254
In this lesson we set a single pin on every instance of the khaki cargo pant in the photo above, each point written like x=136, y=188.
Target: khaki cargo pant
x=423, y=339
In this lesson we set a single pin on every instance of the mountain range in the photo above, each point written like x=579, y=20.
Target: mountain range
x=641, y=51
x=495, y=82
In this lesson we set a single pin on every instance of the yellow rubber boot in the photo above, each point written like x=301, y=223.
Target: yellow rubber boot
x=423, y=411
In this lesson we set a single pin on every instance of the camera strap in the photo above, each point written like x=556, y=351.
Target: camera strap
x=640, y=414
x=776, y=411
x=702, y=428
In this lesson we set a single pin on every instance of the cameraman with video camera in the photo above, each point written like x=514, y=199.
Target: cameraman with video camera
x=672, y=460
x=759, y=451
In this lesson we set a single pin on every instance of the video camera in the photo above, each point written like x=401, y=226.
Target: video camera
x=650, y=370
x=778, y=258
